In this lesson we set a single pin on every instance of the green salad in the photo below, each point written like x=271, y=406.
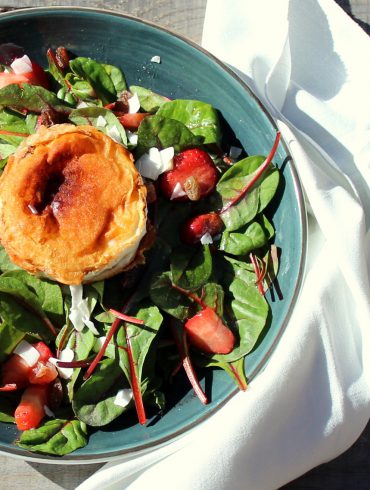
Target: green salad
x=75, y=358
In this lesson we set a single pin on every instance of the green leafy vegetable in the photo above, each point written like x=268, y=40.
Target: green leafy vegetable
x=242, y=243
x=191, y=267
x=199, y=117
x=169, y=299
x=57, y=437
x=149, y=101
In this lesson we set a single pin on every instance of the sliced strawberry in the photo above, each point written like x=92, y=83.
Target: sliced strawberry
x=30, y=410
x=132, y=121
x=206, y=331
x=12, y=78
x=36, y=76
x=16, y=371
x=194, y=171
x=43, y=373
x=44, y=351
x=194, y=228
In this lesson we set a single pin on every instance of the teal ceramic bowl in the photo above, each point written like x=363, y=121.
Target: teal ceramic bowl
x=185, y=71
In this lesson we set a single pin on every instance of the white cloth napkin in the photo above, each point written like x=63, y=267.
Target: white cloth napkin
x=309, y=63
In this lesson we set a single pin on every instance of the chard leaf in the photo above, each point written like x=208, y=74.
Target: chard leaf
x=32, y=98
x=242, y=243
x=149, y=101
x=191, y=267
x=141, y=338
x=117, y=77
x=234, y=369
x=235, y=180
x=162, y=132
x=57, y=437
x=94, y=74
x=90, y=116
x=169, y=299
x=199, y=117
x=93, y=402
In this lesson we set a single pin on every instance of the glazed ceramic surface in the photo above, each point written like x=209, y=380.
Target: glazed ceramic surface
x=187, y=72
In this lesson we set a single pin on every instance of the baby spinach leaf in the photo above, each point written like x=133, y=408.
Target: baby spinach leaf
x=22, y=318
x=94, y=73
x=191, y=267
x=57, y=437
x=234, y=369
x=12, y=121
x=213, y=296
x=90, y=116
x=32, y=98
x=9, y=339
x=199, y=117
x=6, y=150
x=117, y=77
x=149, y=101
x=169, y=299
x=235, y=180
x=244, y=242
x=141, y=337
x=93, y=402
x=48, y=293
x=162, y=132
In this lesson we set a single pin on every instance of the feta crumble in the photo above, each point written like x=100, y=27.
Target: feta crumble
x=155, y=59
x=152, y=164
x=80, y=311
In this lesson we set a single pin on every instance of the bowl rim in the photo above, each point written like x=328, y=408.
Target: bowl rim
x=144, y=448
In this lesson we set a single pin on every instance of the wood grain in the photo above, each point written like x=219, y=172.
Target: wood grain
x=349, y=471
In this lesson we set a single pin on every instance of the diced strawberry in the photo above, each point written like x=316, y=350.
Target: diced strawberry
x=194, y=228
x=132, y=121
x=30, y=410
x=43, y=350
x=206, y=331
x=43, y=373
x=36, y=76
x=16, y=371
x=196, y=173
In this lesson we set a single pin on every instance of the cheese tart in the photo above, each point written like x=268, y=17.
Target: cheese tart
x=72, y=205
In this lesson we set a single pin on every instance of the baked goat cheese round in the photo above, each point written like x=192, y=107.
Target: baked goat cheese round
x=72, y=205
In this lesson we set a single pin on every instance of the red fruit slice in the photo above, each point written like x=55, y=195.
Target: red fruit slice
x=196, y=173
x=44, y=351
x=43, y=373
x=16, y=371
x=194, y=228
x=132, y=121
x=30, y=411
x=206, y=331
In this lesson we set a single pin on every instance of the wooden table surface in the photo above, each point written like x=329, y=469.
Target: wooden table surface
x=349, y=471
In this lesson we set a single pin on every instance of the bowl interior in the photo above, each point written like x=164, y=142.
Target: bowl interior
x=185, y=71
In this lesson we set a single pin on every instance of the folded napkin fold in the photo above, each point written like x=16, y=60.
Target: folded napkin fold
x=309, y=64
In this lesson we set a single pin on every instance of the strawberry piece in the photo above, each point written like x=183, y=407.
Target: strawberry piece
x=194, y=228
x=30, y=410
x=43, y=350
x=16, y=371
x=132, y=121
x=196, y=173
x=206, y=331
x=43, y=373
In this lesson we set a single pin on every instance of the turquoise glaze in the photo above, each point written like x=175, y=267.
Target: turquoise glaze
x=185, y=71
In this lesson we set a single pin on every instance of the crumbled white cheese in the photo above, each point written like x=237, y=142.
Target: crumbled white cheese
x=206, y=239
x=82, y=104
x=234, y=152
x=151, y=165
x=178, y=191
x=132, y=137
x=27, y=352
x=133, y=104
x=123, y=397
x=155, y=59
x=101, y=122
x=114, y=134
x=21, y=65
x=80, y=312
x=66, y=355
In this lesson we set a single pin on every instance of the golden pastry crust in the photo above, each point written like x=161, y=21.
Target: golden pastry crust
x=72, y=205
